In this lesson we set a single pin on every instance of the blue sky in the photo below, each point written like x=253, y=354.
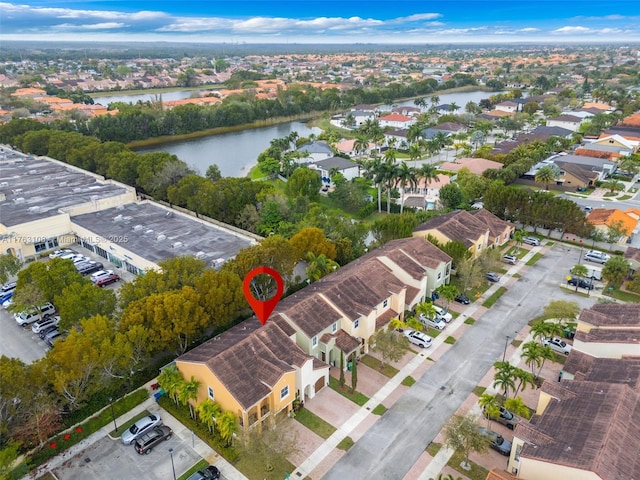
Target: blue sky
x=359, y=21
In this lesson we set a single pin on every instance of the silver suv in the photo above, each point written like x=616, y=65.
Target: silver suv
x=596, y=256
x=531, y=241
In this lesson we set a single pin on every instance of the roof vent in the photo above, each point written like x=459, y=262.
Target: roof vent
x=137, y=228
x=161, y=237
x=117, y=218
x=18, y=200
x=16, y=191
x=168, y=214
x=32, y=172
x=200, y=254
x=4, y=184
x=127, y=218
x=62, y=184
x=148, y=232
x=177, y=245
x=34, y=209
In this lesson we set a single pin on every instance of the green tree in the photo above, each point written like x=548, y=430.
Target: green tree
x=393, y=227
x=227, y=426
x=535, y=355
x=51, y=278
x=505, y=377
x=221, y=295
x=319, y=266
x=547, y=175
x=8, y=455
x=208, y=413
x=354, y=374
x=9, y=266
x=616, y=270
x=389, y=344
x=312, y=240
x=170, y=380
x=83, y=300
x=451, y=196
x=517, y=406
x=562, y=310
x=462, y=434
x=449, y=293
x=188, y=392
x=269, y=446
x=490, y=407
x=304, y=182
x=613, y=185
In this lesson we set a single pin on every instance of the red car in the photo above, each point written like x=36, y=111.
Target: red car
x=107, y=280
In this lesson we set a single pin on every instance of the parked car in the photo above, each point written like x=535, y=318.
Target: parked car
x=443, y=314
x=7, y=303
x=587, y=209
x=145, y=442
x=52, y=337
x=510, y=259
x=418, y=338
x=106, y=280
x=557, y=345
x=47, y=330
x=6, y=296
x=596, y=256
x=531, y=241
x=60, y=253
x=462, y=298
x=100, y=273
x=29, y=316
x=436, y=322
x=208, y=473
x=85, y=268
x=497, y=441
x=580, y=282
x=40, y=325
x=142, y=426
x=493, y=277
x=506, y=418
x=8, y=287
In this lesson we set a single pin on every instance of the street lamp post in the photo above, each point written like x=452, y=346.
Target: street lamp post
x=506, y=342
x=113, y=415
x=173, y=468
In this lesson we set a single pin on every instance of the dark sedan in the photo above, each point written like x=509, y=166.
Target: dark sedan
x=209, y=473
x=462, y=298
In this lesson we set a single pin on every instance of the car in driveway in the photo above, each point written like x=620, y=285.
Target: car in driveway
x=40, y=325
x=462, y=298
x=142, y=426
x=435, y=322
x=531, y=241
x=557, y=345
x=510, y=259
x=597, y=257
x=105, y=280
x=208, y=473
x=506, y=418
x=418, y=338
x=145, y=442
x=443, y=314
x=580, y=282
x=497, y=441
x=492, y=277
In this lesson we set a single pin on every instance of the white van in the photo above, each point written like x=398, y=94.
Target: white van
x=594, y=272
x=29, y=316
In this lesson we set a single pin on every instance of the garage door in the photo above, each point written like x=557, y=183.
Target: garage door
x=319, y=384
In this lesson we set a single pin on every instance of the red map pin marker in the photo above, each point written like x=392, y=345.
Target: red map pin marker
x=263, y=308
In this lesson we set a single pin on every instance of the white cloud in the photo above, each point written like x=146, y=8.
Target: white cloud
x=572, y=30
x=529, y=30
x=94, y=26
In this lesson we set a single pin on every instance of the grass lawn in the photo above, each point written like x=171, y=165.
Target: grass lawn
x=254, y=467
x=479, y=390
x=198, y=466
x=126, y=425
x=315, y=423
x=408, y=381
x=470, y=321
x=494, y=298
x=373, y=362
x=475, y=473
x=356, y=397
x=433, y=448
x=516, y=343
x=450, y=340
x=346, y=443
x=379, y=410
x=622, y=295
x=534, y=259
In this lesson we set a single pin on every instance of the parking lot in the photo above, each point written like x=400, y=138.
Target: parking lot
x=21, y=342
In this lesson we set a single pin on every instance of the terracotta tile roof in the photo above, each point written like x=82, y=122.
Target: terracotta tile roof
x=632, y=253
x=461, y=226
x=308, y=310
x=496, y=225
x=612, y=314
x=395, y=117
x=383, y=319
x=585, y=152
x=578, y=362
x=249, y=359
x=629, y=336
x=608, y=217
x=345, y=342
x=596, y=429
x=625, y=370
x=497, y=474
x=632, y=120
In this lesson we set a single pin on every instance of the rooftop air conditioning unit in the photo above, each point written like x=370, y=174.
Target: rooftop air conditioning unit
x=161, y=237
x=117, y=218
x=177, y=245
x=137, y=228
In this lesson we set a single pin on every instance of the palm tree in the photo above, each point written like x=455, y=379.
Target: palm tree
x=428, y=173
x=414, y=132
x=227, y=426
x=580, y=271
x=613, y=185
x=405, y=175
x=547, y=175
x=517, y=406
x=415, y=152
x=427, y=309
x=188, y=392
x=523, y=378
x=440, y=139
x=453, y=107
x=170, y=380
x=504, y=377
x=435, y=99
x=518, y=236
x=208, y=413
x=389, y=174
x=319, y=266
x=361, y=144
x=490, y=406
x=532, y=355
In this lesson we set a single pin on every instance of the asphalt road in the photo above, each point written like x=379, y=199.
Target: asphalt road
x=395, y=442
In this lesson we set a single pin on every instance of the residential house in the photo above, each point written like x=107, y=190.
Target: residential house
x=618, y=143
x=570, y=122
x=450, y=128
x=337, y=315
x=574, y=176
x=508, y=106
x=477, y=230
x=347, y=147
x=425, y=195
x=395, y=120
x=254, y=371
x=328, y=166
x=606, y=220
x=406, y=111
x=397, y=138
x=361, y=116
x=315, y=151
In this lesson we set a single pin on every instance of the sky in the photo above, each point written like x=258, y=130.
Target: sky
x=308, y=21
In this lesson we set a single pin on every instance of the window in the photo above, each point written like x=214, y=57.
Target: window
x=439, y=275
x=334, y=327
x=210, y=392
x=356, y=324
x=284, y=393
x=385, y=304
x=314, y=341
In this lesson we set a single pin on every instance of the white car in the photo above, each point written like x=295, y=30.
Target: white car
x=59, y=253
x=140, y=427
x=443, y=314
x=436, y=322
x=531, y=241
x=596, y=256
x=418, y=338
x=557, y=345
x=99, y=274
x=29, y=316
x=45, y=323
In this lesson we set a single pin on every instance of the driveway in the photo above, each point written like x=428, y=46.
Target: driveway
x=395, y=442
